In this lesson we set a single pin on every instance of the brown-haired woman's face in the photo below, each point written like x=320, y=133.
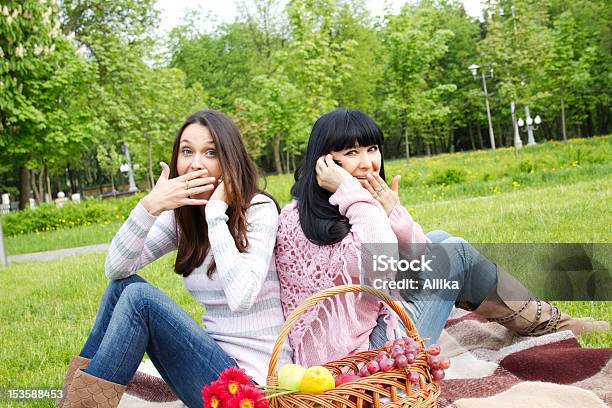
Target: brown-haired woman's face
x=197, y=151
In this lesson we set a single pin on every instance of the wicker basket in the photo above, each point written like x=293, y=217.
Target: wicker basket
x=390, y=389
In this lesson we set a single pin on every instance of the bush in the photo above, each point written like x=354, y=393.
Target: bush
x=47, y=217
x=448, y=177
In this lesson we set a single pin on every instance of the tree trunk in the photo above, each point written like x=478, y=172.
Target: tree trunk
x=589, y=123
x=33, y=186
x=150, y=163
x=288, y=162
x=41, y=176
x=24, y=187
x=428, y=148
x=277, y=156
x=563, y=118
x=112, y=183
x=80, y=185
x=471, y=135
x=407, y=143
x=70, y=179
x=48, y=180
x=602, y=119
x=479, y=133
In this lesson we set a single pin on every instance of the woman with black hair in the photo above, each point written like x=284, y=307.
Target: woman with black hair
x=206, y=205
x=343, y=215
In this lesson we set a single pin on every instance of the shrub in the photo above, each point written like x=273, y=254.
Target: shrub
x=448, y=177
x=48, y=217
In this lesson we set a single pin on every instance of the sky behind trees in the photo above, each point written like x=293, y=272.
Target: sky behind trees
x=172, y=11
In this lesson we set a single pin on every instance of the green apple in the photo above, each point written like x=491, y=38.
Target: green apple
x=290, y=376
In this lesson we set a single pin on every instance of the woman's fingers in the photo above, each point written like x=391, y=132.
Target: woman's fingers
x=381, y=182
x=192, y=201
x=320, y=165
x=165, y=171
x=395, y=183
x=368, y=187
x=196, y=190
x=200, y=181
x=191, y=175
x=374, y=183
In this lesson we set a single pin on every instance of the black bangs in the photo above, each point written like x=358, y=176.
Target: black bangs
x=349, y=128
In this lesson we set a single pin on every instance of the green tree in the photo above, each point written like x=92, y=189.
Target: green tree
x=414, y=46
x=109, y=161
x=28, y=34
x=567, y=67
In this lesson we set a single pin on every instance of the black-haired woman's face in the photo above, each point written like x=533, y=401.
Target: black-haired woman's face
x=359, y=160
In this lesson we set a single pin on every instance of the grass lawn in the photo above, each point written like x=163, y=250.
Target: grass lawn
x=47, y=308
x=63, y=238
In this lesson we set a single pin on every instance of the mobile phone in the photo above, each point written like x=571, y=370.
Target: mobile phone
x=338, y=162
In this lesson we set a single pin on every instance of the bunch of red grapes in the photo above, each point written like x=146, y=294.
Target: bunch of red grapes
x=402, y=352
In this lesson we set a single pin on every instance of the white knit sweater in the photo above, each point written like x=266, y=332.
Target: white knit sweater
x=242, y=299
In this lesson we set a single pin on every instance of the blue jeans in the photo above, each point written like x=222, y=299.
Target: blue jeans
x=135, y=317
x=460, y=261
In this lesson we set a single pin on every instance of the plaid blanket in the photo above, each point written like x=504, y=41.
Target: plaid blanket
x=491, y=367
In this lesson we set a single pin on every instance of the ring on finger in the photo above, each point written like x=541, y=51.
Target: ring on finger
x=379, y=190
x=186, y=184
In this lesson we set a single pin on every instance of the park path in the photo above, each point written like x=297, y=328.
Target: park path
x=58, y=253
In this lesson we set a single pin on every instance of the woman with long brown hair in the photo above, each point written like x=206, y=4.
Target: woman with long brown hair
x=207, y=206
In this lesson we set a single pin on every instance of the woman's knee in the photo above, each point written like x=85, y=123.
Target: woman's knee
x=117, y=286
x=137, y=296
x=455, y=240
x=438, y=236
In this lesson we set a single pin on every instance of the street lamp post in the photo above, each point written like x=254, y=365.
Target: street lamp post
x=530, y=124
x=474, y=69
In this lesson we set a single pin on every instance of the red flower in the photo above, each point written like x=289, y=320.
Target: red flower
x=212, y=395
x=231, y=379
x=234, y=374
x=248, y=397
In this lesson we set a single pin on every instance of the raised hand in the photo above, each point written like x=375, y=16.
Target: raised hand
x=329, y=174
x=387, y=197
x=171, y=193
x=219, y=193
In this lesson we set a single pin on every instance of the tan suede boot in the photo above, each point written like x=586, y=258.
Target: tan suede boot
x=513, y=306
x=87, y=391
x=75, y=362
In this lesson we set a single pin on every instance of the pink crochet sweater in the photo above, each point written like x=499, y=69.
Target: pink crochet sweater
x=340, y=325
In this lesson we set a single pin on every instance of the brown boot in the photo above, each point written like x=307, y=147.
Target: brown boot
x=75, y=362
x=513, y=306
x=87, y=391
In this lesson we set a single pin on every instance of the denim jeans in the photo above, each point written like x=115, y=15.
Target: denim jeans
x=135, y=317
x=460, y=261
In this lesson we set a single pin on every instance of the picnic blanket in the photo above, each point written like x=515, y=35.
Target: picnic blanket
x=491, y=367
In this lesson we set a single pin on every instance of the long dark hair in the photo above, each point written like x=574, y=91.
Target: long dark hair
x=336, y=130
x=240, y=176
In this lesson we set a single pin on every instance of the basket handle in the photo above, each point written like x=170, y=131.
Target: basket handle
x=324, y=294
